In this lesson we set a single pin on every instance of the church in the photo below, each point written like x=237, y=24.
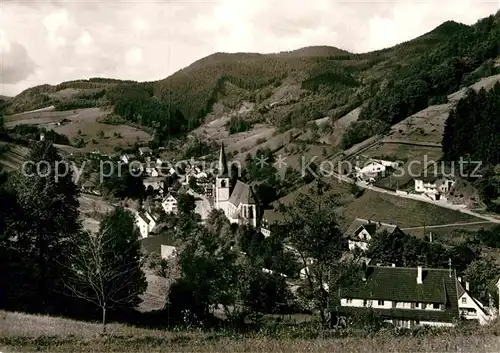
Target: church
x=237, y=201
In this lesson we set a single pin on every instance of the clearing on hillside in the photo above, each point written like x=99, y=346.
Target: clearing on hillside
x=83, y=124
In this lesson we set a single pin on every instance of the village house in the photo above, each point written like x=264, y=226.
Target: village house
x=162, y=245
x=156, y=184
x=369, y=172
x=203, y=205
x=410, y=297
x=146, y=222
x=127, y=158
x=169, y=204
x=145, y=151
x=434, y=187
x=361, y=231
x=472, y=309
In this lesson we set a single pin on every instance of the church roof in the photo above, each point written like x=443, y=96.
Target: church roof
x=242, y=193
x=222, y=166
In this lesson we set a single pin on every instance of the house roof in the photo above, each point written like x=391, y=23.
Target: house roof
x=242, y=193
x=432, y=178
x=371, y=227
x=143, y=217
x=145, y=149
x=153, y=244
x=400, y=284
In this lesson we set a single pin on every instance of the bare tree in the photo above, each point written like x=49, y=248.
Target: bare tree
x=101, y=275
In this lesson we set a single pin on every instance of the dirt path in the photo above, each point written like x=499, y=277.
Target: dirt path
x=459, y=208
x=412, y=143
x=446, y=225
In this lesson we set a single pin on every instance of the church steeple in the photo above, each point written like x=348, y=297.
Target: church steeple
x=222, y=167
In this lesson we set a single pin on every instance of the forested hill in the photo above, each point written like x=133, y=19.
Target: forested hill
x=291, y=88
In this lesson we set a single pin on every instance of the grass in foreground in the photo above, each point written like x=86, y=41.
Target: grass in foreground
x=29, y=333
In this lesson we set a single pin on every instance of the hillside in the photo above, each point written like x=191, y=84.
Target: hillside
x=287, y=88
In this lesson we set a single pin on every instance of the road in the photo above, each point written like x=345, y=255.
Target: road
x=459, y=208
x=446, y=225
x=412, y=143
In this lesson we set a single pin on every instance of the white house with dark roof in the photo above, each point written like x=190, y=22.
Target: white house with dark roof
x=127, y=158
x=237, y=201
x=146, y=222
x=145, y=151
x=434, y=187
x=410, y=297
x=472, y=309
x=169, y=204
x=361, y=231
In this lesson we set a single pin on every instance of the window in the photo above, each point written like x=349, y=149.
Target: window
x=380, y=303
x=417, y=305
x=464, y=300
x=365, y=302
x=349, y=301
x=436, y=306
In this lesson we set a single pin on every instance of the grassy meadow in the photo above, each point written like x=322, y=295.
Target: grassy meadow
x=30, y=333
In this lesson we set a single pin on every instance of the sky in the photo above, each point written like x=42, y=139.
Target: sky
x=51, y=41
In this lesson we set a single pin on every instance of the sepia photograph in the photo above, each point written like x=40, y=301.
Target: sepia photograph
x=249, y=176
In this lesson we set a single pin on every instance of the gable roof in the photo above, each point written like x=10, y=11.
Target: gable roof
x=145, y=149
x=143, y=217
x=242, y=193
x=400, y=284
x=371, y=227
x=153, y=244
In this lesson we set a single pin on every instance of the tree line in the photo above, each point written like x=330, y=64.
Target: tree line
x=471, y=133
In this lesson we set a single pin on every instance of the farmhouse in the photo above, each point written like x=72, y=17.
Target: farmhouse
x=169, y=204
x=203, y=205
x=163, y=245
x=127, y=158
x=145, y=151
x=433, y=186
x=146, y=222
x=156, y=184
x=361, y=231
x=472, y=309
x=406, y=297
x=370, y=171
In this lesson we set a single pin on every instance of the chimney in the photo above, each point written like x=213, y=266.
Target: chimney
x=419, y=275
x=467, y=286
x=430, y=237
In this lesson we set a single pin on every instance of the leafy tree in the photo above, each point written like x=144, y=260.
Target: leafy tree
x=186, y=204
x=315, y=235
x=106, y=267
x=208, y=275
x=480, y=273
x=48, y=198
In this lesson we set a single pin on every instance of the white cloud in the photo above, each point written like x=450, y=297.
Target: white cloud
x=133, y=56
x=148, y=40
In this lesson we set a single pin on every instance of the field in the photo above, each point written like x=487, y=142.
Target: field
x=29, y=333
x=403, y=212
x=13, y=158
x=82, y=124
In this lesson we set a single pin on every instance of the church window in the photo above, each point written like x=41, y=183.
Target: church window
x=222, y=183
x=250, y=213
